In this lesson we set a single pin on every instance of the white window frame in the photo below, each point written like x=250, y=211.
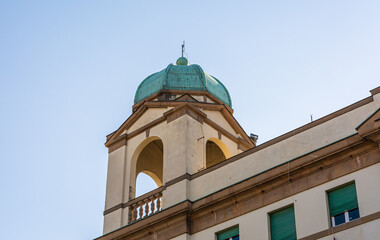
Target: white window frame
x=346, y=218
x=231, y=237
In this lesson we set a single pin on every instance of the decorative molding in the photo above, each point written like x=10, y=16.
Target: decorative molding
x=178, y=179
x=136, y=115
x=227, y=134
x=111, y=138
x=147, y=133
x=370, y=127
x=119, y=142
x=114, y=208
x=181, y=92
x=146, y=127
x=180, y=109
x=205, y=106
x=242, y=144
x=185, y=108
x=375, y=91
x=186, y=97
x=236, y=126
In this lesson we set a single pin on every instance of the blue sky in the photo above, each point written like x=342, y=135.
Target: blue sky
x=69, y=71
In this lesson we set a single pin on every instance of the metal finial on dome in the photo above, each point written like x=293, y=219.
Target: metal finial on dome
x=183, y=47
x=182, y=60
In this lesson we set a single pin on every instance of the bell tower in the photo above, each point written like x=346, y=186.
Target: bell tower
x=181, y=124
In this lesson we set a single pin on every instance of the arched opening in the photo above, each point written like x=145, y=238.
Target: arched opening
x=214, y=154
x=146, y=175
x=144, y=184
x=149, y=168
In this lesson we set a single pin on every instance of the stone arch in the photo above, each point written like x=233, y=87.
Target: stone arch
x=148, y=159
x=216, y=152
x=156, y=179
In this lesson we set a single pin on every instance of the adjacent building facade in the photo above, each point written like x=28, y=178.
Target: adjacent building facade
x=319, y=181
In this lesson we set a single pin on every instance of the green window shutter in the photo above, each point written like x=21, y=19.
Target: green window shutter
x=229, y=233
x=343, y=199
x=283, y=225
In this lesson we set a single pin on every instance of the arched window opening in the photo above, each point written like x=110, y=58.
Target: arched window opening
x=214, y=154
x=144, y=184
x=150, y=162
x=148, y=177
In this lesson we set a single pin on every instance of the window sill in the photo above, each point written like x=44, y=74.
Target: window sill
x=342, y=227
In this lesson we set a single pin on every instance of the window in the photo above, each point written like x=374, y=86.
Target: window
x=230, y=234
x=343, y=204
x=283, y=224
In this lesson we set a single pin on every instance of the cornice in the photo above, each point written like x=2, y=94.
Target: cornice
x=375, y=91
x=182, y=92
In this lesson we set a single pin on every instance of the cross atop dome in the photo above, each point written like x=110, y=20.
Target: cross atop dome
x=182, y=60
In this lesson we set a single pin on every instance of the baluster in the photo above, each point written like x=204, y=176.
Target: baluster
x=131, y=214
x=134, y=212
x=160, y=197
x=152, y=204
x=146, y=203
x=141, y=209
x=158, y=203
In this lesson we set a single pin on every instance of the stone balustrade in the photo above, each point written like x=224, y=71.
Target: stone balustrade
x=145, y=205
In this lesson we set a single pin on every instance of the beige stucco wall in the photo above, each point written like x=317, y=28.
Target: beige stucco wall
x=184, y=148
x=112, y=221
x=217, y=117
x=368, y=231
x=114, y=188
x=182, y=237
x=201, y=98
x=295, y=146
x=149, y=116
x=311, y=210
x=198, y=98
x=376, y=100
x=115, y=173
x=175, y=194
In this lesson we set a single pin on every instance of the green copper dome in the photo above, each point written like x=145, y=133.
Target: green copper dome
x=182, y=77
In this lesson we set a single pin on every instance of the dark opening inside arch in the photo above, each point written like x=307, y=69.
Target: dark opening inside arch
x=214, y=154
x=150, y=162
